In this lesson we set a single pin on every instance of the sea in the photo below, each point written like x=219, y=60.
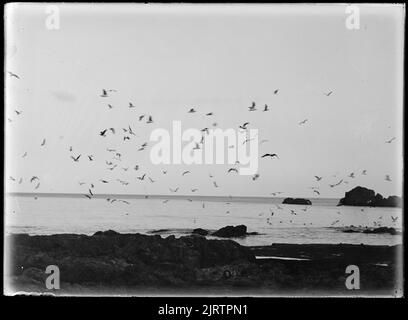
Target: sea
x=273, y=222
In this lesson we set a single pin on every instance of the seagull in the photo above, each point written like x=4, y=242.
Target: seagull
x=194, y=190
x=150, y=120
x=102, y=133
x=131, y=131
x=11, y=178
x=43, y=142
x=209, y=114
x=215, y=184
x=24, y=155
x=131, y=105
x=191, y=110
x=151, y=180
x=318, y=178
x=351, y=175
x=90, y=158
x=276, y=91
x=185, y=172
x=90, y=192
x=336, y=184
x=88, y=196
x=252, y=107
x=110, y=106
x=387, y=177
x=141, y=117
x=270, y=155
x=244, y=126
x=364, y=172
x=76, y=159
x=103, y=181
x=391, y=140
x=328, y=94
x=303, y=122
x=104, y=93
x=126, y=138
x=113, y=130
x=255, y=176
x=173, y=190
x=34, y=178
x=13, y=74
x=266, y=108
x=18, y=112
x=317, y=192
x=233, y=170
x=142, y=177
x=394, y=219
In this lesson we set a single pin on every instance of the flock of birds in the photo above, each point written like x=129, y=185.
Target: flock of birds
x=115, y=160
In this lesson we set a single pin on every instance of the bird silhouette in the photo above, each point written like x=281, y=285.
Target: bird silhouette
x=103, y=132
x=232, y=170
x=104, y=93
x=13, y=75
x=43, y=142
x=244, y=126
x=272, y=155
x=252, y=107
x=76, y=159
x=303, y=122
x=328, y=94
x=266, y=108
x=191, y=110
x=276, y=91
x=318, y=178
x=391, y=140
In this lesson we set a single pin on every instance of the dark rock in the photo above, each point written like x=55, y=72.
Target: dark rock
x=389, y=230
x=106, y=233
x=231, y=231
x=360, y=196
x=297, y=201
x=201, y=232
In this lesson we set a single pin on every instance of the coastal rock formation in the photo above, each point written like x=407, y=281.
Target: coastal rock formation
x=231, y=231
x=201, y=232
x=379, y=230
x=297, y=201
x=360, y=196
x=132, y=263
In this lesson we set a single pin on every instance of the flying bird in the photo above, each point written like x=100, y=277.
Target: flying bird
x=276, y=91
x=18, y=112
x=191, y=110
x=43, y=142
x=185, y=172
x=270, y=155
x=364, y=172
x=387, y=177
x=13, y=75
x=90, y=157
x=244, y=126
x=150, y=120
x=142, y=177
x=328, y=94
x=252, y=107
x=391, y=140
x=266, y=108
x=104, y=93
x=233, y=170
x=173, y=190
x=209, y=114
x=131, y=105
x=318, y=178
x=317, y=192
x=102, y=133
x=303, y=122
x=75, y=159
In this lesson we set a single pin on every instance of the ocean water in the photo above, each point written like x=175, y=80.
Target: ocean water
x=323, y=222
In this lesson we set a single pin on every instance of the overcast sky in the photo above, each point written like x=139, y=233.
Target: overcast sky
x=168, y=59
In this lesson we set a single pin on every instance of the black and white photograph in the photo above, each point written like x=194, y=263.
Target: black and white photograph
x=214, y=150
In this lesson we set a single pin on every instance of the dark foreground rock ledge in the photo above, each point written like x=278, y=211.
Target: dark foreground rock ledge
x=123, y=262
x=360, y=196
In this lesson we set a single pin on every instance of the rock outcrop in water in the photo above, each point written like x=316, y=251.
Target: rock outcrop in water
x=360, y=196
x=231, y=232
x=297, y=201
x=379, y=230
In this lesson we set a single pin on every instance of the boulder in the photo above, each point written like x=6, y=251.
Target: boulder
x=360, y=196
x=297, y=201
x=201, y=232
x=231, y=231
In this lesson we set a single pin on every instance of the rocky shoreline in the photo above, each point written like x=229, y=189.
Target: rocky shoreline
x=135, y=263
